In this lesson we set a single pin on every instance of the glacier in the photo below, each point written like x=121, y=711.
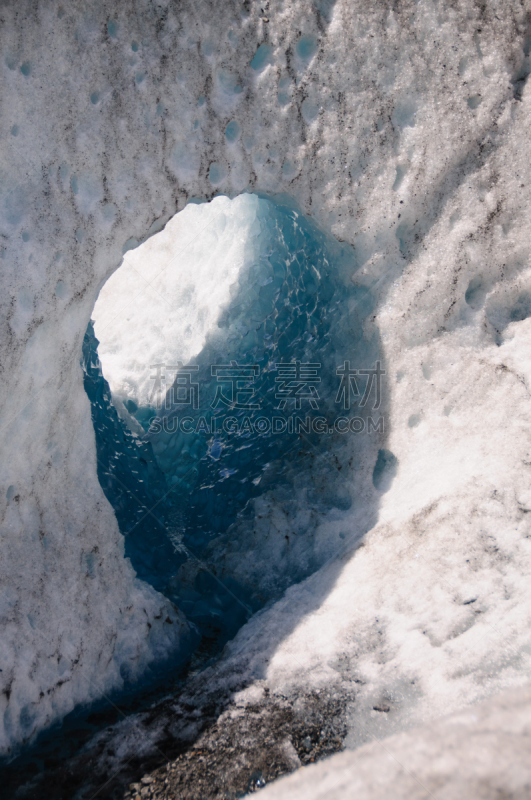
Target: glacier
x=399, y=130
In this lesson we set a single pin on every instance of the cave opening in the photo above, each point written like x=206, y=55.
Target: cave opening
x=223, y=366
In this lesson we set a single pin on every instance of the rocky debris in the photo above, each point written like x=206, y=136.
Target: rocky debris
x=211, y=740
x=481, y=753
x=249, y=746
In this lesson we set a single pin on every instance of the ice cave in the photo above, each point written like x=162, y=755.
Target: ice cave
x=223, y=472
x=265, y=418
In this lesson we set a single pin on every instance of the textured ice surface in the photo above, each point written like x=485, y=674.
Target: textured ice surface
x=239, y=513
x=404, y=131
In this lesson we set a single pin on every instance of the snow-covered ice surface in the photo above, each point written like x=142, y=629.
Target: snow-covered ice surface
x=403, y=129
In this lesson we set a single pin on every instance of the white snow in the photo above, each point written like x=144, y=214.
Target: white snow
x=403, y=132
x=167, y=295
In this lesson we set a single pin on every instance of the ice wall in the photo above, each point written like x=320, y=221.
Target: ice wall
x=403, y=129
